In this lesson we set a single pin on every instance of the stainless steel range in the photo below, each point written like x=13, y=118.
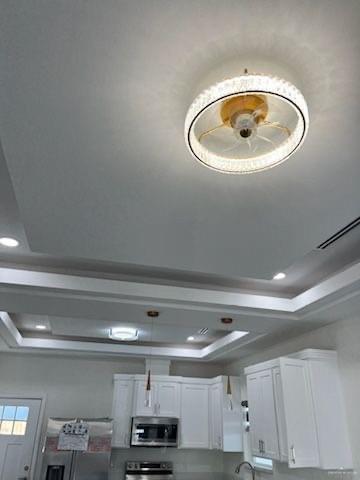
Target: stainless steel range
x=149, y=471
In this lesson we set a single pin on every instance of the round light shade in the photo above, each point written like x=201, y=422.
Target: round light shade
x=124, y=334
x=9, y=242
x=246, y=124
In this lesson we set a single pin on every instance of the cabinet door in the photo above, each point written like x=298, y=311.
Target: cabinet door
x=216, y=416
x=233, y=421
x=299, y=414
x=194, y=416
x=280, y=414
x=269, y=435
x=168, y=399
x=140, y=408
x=121, y=412
x=255, y=411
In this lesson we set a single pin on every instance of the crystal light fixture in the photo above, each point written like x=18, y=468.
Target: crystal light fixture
x=246, y=124
x=229, y=393
x=148, y=390
x=148, y=393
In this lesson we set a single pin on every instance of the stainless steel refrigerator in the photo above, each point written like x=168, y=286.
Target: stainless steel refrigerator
x=77, y=449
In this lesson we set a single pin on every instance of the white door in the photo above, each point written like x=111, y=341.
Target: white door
x=19, y=420
x=168, y=399
x=194, y=416
x=269, y=437
x=255, y=411
x=141, y=409
x=303, y=447
x=280, y=414
x=121, y=413
x=216, y=417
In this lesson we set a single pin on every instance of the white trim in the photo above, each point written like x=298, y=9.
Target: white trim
x=85, y=288
x=42, y=290
x=104, y=288
x=16, y=341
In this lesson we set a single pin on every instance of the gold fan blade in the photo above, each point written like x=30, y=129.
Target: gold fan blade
x=207, y=132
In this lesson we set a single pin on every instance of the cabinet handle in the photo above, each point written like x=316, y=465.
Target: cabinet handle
x=292, y=452
x=158, y=412
x=261, y=446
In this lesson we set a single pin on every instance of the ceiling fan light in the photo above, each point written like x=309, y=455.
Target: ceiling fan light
x=234, y=111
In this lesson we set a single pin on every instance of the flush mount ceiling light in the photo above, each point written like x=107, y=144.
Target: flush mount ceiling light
x=124, y=334
x=40, y=327
x=246, y=124
x=9, y=242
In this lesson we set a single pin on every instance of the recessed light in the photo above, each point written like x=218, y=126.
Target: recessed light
x=9, y=242
x=40, y=327
x=190, y=339
x=279, y=276
x=152, y=313
x=124, y=334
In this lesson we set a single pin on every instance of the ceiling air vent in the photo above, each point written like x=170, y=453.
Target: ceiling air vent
x=203, y=331
x=343, y=231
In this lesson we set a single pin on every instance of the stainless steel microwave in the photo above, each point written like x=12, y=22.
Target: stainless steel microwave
x=154, y=432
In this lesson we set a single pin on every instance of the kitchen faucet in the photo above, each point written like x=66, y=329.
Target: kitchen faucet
x=238, y=468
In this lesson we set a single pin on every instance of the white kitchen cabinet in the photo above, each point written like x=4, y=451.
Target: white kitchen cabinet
x=216, y=411
x=141, y=409
x=194, y=420
x=304, y=391
x=165, y=399
x=262, y=415
x=122, y=411
x=329, y=409
x=299, y=415
x=226, y=418
x=279, y=406
x=201, y=404
x=168, y=399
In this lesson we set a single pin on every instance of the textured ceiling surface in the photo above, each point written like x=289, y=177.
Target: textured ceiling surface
x=92, y=104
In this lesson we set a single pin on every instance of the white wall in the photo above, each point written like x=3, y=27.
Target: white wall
x=344, y=336
x=78, y=386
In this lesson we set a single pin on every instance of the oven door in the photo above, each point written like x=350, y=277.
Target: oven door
x=154, y=432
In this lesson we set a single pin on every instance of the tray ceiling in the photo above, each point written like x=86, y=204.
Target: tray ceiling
x=92, y=113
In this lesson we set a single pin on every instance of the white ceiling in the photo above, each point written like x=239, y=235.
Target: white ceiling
x=93, y=100
x=95, y=178
x=173, y=332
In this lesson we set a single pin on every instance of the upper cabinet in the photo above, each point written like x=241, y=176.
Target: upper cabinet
x=194, y=422
x=207, y=418
x=263, y=432
x=297, y=412
x=168, y=399
x=122, y=410
x=226, y=417
x=165, y=399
